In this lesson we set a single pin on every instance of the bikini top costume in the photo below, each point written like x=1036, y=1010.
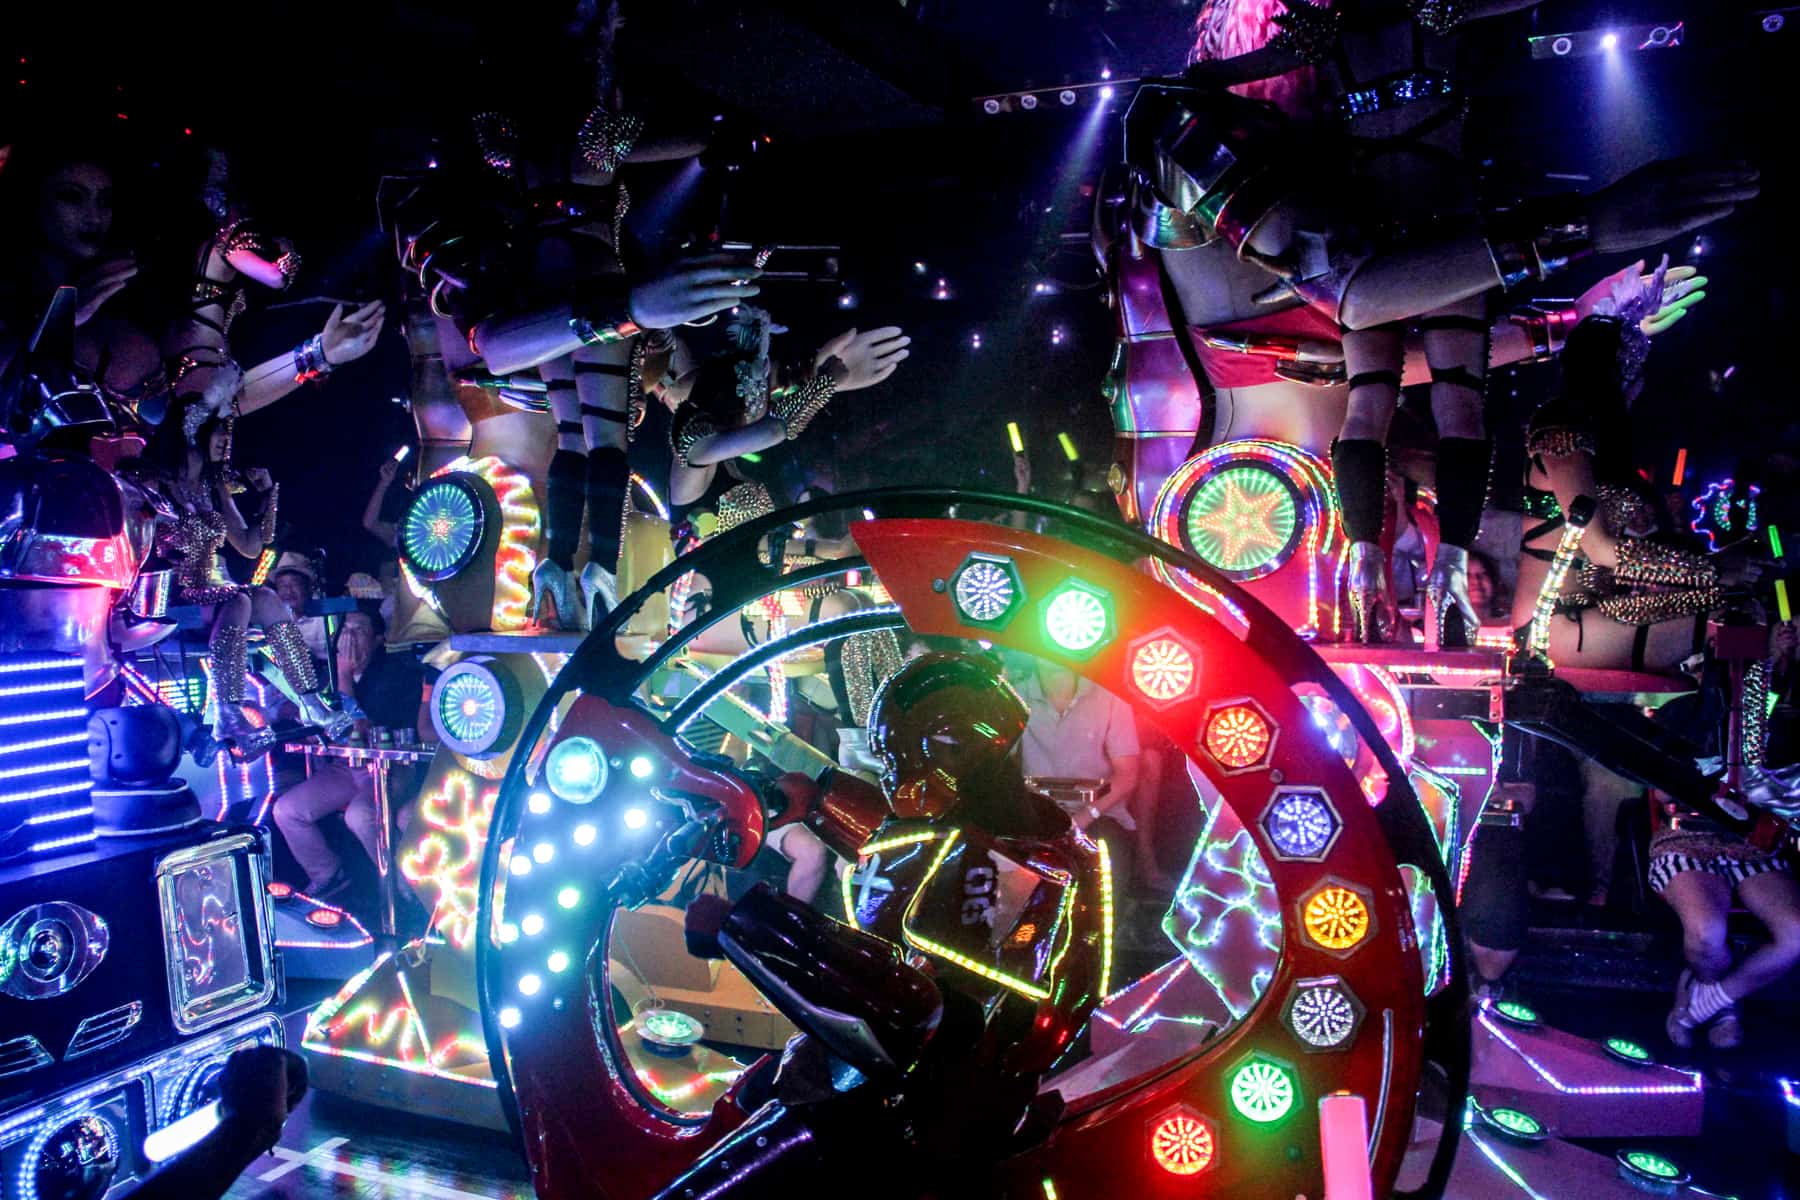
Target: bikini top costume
x=1652, y=581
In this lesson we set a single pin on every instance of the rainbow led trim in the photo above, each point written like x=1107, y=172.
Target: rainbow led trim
x=1106, y=917
x=1693, y=1085
x=442, y=528
x=1317, y=542
x=390, y=1035
x=445, y=864
x=1713, y=515
x=521, y=526
x=1224, y=905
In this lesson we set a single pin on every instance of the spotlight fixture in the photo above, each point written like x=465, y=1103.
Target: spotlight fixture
x=1028, y=102
x=991, y=107
x=1106, y=93
x=1560, y=47
x=1611, y=41
x=1660, y=35
x=1774, y=22
x=1066, y=97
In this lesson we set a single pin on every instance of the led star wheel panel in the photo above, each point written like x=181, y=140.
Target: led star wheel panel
x=1246, y=520
x=441, y=530
x=986, y=591
x=1323, y=1014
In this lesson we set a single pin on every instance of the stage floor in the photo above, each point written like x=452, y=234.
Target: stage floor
x=340, y=1149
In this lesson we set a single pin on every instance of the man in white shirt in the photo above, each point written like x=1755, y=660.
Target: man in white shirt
x=1079, y=730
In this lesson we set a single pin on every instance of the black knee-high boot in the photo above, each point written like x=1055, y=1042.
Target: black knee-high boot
x=1359, y=466
x=1463, y=466
x=608, y=475
x=563, y=502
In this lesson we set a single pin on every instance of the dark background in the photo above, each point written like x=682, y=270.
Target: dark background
x=854, y=124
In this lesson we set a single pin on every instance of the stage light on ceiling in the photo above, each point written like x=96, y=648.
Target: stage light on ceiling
x=1106, y=93
x=1560, y=47
x=1773, y=22
x=1611, y=41
x=846, y=300
x=975, y=341
x=1066, y=97
x=1664, y=35
x=1106, y=72
x=990, y=106
x=1028, y=102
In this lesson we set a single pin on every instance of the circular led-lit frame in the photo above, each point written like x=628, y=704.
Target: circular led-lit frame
x=1514, y=1013
x=32, y=1165
x=1644, y=1167
x=473, y=710
x=668, y=1031
x=1182, y=1142
x=1337, y=917
x=1629, y=1052
x=441, y=530
x=1323, y=1014
x=1301, y=824
x=1244, y=517
x=987, y=591
x=1238, y=735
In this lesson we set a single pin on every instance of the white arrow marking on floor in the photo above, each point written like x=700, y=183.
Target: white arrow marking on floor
x=320, y=1158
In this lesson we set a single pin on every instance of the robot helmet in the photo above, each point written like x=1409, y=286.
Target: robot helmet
x=940, y=724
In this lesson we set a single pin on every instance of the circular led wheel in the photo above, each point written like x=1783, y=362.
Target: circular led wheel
x=1244, y=519
x=441, y=530
x=562, y=1043
x=474, y=710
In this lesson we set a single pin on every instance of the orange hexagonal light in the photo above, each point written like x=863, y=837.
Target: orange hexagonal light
x=1164, y=669
x=1237, y=735
x=1336, y=917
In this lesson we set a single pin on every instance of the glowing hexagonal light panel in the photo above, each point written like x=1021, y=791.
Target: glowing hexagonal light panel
x=1323, y=1014
x=1078, y=618
x=1336, y=917
x=987, y=591
x=441, y=529
x=1301, y=824
x=1164, y=669
x=1238, y=735
x=1263, y=1091
x=1182, y=1142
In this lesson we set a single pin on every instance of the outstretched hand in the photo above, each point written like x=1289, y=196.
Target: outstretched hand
x=868, y=357
x=1682, y=289
x=692, y=291
x=100, y=284
x=348, y=336
x=1666, y=199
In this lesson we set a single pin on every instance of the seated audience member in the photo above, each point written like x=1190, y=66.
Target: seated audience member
x=296, y=581
x=384, y=690
x=1698, y=866
x=1079, y=730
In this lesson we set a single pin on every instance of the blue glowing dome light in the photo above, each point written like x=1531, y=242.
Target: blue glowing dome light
x=576, y=770
x=442, y=528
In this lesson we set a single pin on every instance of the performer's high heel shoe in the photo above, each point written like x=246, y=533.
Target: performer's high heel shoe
x=332, y=721
x=1367, y=588
x=599, y=592
x=549, y=581
x=1451, y=619
x=235, y=733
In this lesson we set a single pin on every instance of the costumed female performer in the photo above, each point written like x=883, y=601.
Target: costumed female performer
x=1629, y=600
x=1253, y=191
x=199, y=515
x=234, y=253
